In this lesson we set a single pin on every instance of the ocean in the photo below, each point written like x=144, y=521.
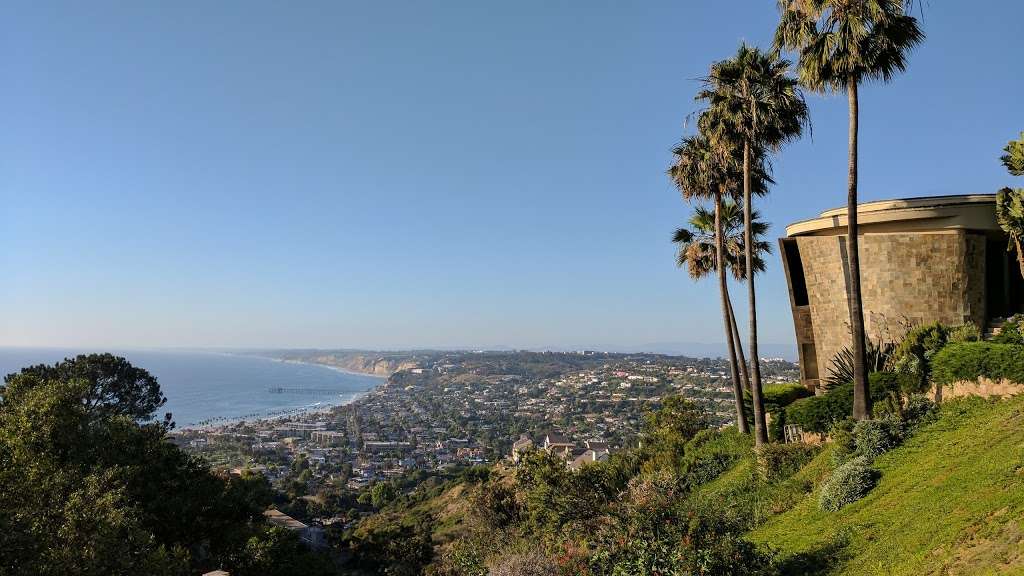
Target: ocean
x=211, y=388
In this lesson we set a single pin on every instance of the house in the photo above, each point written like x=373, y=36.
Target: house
x=312, y=536
x=597, y=446
x=555, y=443
x=588, y=457
x=922, y=260
x=521, y=447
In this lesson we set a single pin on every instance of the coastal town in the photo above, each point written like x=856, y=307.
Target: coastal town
x=442, y=413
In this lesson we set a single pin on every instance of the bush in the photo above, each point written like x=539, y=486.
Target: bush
x=843, y=443
x=819, y=413
x=968, y=332
x=849, y=482
x=1012, y=332
x=778, y=396
x=972, y=360
x=710, y=453
x=919, y=410
x=780, y=461
x=914, y=353
x=873, y=438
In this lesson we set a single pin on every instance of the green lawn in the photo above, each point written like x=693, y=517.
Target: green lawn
x=950, y=501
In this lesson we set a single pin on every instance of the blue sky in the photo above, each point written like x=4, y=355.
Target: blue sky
x=399, y=174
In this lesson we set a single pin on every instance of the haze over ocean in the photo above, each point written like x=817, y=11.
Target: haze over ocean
x=203, y=385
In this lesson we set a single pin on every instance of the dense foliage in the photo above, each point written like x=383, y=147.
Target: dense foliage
x=85, y=488
x=819, y=413
x=971, y=360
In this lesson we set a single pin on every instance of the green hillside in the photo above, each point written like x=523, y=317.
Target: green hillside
x=949, y=501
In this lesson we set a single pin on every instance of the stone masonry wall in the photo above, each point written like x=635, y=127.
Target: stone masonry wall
x=913, y=278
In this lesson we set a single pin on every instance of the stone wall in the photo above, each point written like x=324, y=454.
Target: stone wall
x=906, y=278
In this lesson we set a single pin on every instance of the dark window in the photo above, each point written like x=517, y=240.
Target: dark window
x=809, y=361
x=796, y=272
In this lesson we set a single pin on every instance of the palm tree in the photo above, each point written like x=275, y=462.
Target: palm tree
x=697, y=254
x=1010, y=203
x=1010, y=215
x=842, y=43
x=699, y=173
x=754, y=105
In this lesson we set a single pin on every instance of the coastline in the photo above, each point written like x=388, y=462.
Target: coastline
x=327, y=366
x=319, y=408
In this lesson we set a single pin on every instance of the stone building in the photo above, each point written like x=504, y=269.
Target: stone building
x=936, y=259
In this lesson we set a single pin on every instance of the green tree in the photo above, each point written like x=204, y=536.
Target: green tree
x=696, y=252
x=278, y=552
x=115, y=387
x=381, y=493
x=754, y=105
x=842, y=43
x=85, y=488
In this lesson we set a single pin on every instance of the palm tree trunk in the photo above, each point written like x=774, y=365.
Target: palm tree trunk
x=861, y=391
x=744, y=375
x=760, y=426
x=1020, y=256
x=723, y=286
x=734, y=362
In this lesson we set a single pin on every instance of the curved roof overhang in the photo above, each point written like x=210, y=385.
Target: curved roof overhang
x=933, y=213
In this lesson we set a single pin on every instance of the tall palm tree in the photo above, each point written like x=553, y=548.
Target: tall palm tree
x=842, y=43
x=696, y=253
x=700, y=174
x=755, y=105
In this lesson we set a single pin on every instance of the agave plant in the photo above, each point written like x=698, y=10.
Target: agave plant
x=840, y=369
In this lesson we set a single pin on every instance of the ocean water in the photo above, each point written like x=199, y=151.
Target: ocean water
x=209, y=388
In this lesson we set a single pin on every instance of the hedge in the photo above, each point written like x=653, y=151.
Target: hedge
x=776, y=397
x=818, y=413
x=972, y=360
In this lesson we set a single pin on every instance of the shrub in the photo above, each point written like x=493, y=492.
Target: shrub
x=780, y=461
x=847, y=484
x=968, y=332
x=876, y=437
x=710, y=453
x=777, y=426
x=819, y=413
x=1012, y=332
x=776, y=397
x=843, y=444
x=919, y=410
x=914, y=353
x=973, y=360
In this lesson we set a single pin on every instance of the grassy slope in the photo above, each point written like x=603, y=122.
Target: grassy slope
x=447, y=511
x=950, y=501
